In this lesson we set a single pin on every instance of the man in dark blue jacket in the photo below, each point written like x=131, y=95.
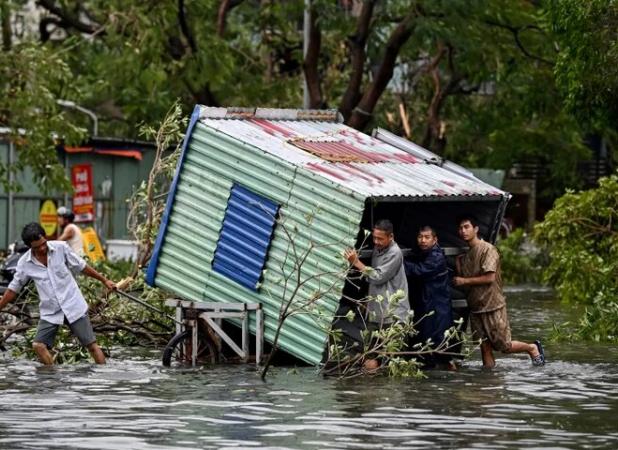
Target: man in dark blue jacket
x=429, y=291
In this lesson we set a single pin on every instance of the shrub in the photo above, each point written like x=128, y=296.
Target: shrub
x=580, y=236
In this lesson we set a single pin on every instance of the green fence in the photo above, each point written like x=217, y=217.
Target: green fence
x=111, y=208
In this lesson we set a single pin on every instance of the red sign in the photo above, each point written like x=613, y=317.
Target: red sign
x=83, y=194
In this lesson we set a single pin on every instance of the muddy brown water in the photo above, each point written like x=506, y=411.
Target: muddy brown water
x=133, y=403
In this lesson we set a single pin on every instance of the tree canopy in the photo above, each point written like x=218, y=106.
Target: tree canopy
x=486, y=83
x=586, y=66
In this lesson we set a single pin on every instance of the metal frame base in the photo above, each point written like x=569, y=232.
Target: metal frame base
x=212, y=313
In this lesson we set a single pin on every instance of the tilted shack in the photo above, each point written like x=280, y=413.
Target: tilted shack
x=241, y=169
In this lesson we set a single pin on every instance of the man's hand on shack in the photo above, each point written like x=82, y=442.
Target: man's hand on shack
x=351, y=255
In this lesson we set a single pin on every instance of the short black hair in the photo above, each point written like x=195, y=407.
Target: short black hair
x=32, y=232
x=384, y=225
x=468, y=218
x=427, y=228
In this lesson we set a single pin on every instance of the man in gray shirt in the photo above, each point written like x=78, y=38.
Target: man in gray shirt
x=386, y=276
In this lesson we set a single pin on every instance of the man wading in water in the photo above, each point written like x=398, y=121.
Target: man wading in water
x=479, y=273
x=429, y=294
x=51, y=266
x=386, y=276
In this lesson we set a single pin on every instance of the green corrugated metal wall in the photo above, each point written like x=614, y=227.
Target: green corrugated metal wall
x=126, y=175
x=214, y=161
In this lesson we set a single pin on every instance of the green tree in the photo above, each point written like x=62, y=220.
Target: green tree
x=587, y=63
x=472, y=80
x=580, y=236
x=32, y=80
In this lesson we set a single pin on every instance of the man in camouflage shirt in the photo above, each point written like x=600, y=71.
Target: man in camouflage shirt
x=478, y=273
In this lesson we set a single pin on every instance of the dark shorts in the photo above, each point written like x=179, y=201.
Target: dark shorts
x=494, y=327
x=81, y=329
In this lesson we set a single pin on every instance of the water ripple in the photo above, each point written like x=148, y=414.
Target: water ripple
x=134, y=403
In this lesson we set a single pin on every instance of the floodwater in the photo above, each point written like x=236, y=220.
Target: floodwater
x=134, y=403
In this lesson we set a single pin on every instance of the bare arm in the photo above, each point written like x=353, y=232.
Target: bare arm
x=67, y=234
x=486, y=278
x=7, y=298
x=376, y=275
x=89, y=271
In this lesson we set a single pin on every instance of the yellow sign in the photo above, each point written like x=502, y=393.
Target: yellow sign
x=92, y=245
x=48, y=218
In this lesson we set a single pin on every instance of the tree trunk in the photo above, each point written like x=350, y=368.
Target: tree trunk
x=435, y=131
x=7, y=34
x=310, y=65
x=362, y=112
x=184, y=26
x=224, y=8
x=357, y=44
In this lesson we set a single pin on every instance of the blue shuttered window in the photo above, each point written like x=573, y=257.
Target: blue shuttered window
x=245, y=237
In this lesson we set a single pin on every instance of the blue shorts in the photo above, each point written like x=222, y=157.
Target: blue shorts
x=81, y=329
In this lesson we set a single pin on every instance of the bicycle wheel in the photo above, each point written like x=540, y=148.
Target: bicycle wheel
x=177, y=352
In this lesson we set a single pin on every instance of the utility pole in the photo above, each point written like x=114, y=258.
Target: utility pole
x=95, y=130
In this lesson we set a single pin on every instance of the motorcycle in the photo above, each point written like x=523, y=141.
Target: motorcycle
x=19, y=310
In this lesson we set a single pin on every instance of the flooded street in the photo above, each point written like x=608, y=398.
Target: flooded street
x=134, y=403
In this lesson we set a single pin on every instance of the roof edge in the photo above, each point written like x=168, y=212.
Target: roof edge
x=494, y=196
x=318, y=115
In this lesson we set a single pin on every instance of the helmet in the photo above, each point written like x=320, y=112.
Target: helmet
x=65, y=212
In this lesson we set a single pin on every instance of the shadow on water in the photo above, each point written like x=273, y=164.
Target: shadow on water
x=134, y=403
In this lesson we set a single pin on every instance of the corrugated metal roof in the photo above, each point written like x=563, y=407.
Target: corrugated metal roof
x=367, y=165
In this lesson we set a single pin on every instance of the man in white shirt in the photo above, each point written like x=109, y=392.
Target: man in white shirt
x=52, y=265
x=70, y=232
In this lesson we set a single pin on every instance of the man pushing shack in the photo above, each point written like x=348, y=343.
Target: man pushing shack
x=479, y=273
x=429, y=294
x=51, y=265
x=385, y=277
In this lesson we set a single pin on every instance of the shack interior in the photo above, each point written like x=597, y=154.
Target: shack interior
x=407, y=216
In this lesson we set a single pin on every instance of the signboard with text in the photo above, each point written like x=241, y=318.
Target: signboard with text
x=48, y=218
x=83, y=193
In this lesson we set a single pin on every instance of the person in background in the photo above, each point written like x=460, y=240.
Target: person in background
x=70, y=232
x=52, y=265
x=479, y=273
x=429, y=293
